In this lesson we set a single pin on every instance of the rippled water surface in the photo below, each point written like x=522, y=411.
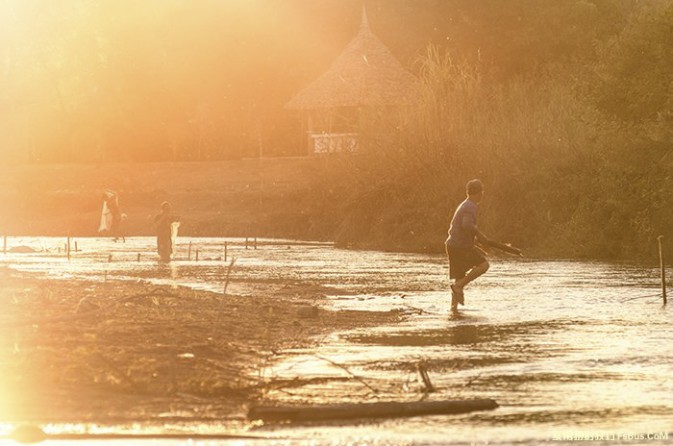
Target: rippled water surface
x=565, y=348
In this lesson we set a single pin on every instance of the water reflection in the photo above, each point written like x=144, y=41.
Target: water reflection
x=560, y=347
x=460, y=334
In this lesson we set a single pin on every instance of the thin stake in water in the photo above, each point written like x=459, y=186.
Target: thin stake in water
x=662, y=266
x=224, y=289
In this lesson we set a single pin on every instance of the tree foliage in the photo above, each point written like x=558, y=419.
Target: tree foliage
x=564, y=108
x=180, y=80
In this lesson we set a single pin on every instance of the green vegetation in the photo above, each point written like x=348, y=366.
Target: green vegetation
x=574, y=147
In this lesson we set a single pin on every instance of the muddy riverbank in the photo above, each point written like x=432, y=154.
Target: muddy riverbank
x=77, y=351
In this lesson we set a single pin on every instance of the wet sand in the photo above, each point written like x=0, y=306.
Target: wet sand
x=126, y=352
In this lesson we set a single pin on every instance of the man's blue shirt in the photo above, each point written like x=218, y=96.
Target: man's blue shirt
x=463, y=225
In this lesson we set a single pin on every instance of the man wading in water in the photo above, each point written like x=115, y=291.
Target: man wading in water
x=164, y=225
x=466, y=261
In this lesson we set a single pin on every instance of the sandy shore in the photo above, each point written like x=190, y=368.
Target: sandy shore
x=119, y=352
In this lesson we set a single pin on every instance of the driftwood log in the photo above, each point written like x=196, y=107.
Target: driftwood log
x=368, y=410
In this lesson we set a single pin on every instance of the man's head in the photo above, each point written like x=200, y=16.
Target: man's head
x=166, y=206
x=474, y=189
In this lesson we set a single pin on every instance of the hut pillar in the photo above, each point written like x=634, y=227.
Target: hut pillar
x=309, y=133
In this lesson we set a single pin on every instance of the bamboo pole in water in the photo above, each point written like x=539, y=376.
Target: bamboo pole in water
x=369, y=410
x=4, y=244
x=662, y=266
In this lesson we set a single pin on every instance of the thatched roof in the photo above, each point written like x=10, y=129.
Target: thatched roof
x=365, y=74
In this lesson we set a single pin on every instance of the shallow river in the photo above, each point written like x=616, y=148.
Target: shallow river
x=568, y=349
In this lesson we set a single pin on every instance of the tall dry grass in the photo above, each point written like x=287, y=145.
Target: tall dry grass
x=535, y=142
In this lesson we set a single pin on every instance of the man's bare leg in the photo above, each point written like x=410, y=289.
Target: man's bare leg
x=475, y=272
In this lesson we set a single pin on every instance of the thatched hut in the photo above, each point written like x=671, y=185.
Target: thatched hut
x=365, y=76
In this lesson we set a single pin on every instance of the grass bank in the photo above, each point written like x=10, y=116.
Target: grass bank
x=269, y=198
x=396, y=204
